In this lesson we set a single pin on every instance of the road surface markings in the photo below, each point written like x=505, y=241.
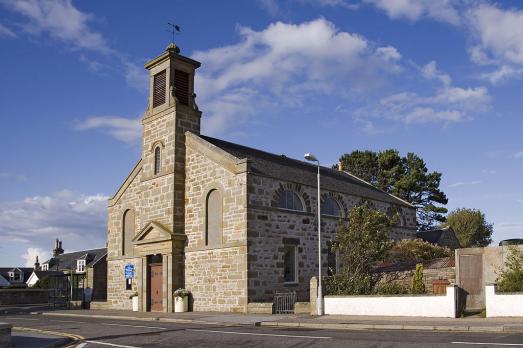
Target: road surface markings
x=47, y=332
x=19, y=318
x=258, y=334
x=139, y=326
x=490, y=344
x=110, y=344
x=68, y=321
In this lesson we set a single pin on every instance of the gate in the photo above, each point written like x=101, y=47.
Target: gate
x=283, y=303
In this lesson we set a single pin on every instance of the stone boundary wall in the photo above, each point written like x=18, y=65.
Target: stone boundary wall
x=503, y=304
x=430, y=275
x=440, y=306
x=23, y=296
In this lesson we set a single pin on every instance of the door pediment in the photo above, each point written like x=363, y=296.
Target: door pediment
x=154, y=232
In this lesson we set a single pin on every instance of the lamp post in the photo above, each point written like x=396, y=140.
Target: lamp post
x=319, y=300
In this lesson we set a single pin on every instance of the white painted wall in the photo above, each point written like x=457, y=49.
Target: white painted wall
x=443, y=306
x=32, y=280
x=503, y=305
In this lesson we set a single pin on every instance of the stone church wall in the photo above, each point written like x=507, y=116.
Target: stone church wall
x=271, y=228
x=215, y=275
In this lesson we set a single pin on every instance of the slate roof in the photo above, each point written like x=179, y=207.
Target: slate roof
x=442, y=236
x=272, y=165
x=4, y=271
x=67, y=261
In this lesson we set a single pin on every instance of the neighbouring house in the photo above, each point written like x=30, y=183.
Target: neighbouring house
x=232, y=224
x=442, y=236
x=88, y=266
x=10, y=276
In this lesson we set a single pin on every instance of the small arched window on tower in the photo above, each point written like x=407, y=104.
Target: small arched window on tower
x=214, y=218
x=127, y=232
x=157, y=160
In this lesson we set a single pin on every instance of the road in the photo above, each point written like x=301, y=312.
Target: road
x=129, y=334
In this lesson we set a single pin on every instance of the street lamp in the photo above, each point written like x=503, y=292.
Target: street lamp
x=319, y=300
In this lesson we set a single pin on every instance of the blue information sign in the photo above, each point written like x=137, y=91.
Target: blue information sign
x=129, y=271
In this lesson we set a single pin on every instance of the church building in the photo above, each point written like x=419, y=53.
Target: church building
x=232, y=224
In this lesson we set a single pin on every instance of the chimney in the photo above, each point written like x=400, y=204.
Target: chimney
x=58, y=248
x=37, y=264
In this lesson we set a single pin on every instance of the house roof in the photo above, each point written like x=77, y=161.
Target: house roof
x=4, y=271
x=67, y=261
x=442, y=236
x=285, y=168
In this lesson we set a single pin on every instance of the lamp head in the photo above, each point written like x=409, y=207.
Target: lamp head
x=310, y=157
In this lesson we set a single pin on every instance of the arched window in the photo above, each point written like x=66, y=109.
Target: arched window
x=127, y=232
x=330, y=207
x=157, y=160
x=290, y=200
x=214, y=218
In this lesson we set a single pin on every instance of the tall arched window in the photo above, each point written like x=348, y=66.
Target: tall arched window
x=290, y=200
x=127, y=232
x=330, y=207
x=157, y=160
x=214, y=218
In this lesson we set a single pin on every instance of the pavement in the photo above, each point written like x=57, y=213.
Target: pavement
x=336, y=322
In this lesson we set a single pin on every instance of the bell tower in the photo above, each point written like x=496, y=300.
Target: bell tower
x=171, y=111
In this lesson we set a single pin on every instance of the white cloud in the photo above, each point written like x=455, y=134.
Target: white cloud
x=518, y=154
x=448, y=105
x=31, y=254
x=465, y=183
x=499, y=34
x=61, y=21
x=6, y=32
x=430, y=71
x=123, y=129
x=137, y=77
x=502, y=74
x=413, y=10
x=77, y=219
x=15, y=176
x=287, y=63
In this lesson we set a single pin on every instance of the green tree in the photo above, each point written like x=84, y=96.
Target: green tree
x=405, y=177
x=471, y=227
x=511, y=277
x=416, y=250
x=42, y=283
x=360, y=244
x=418, y=287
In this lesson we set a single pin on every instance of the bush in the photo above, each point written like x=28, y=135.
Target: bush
x=360, y=244
x=391, y=289
x=418, y=287
x=42, y=283
x=416, y=250
x=511, y=277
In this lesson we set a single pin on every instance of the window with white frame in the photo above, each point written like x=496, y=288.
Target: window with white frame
x=290, y=271
x=45, y=267
x=80, y=266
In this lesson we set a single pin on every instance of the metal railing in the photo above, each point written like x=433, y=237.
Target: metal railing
x=283, y=303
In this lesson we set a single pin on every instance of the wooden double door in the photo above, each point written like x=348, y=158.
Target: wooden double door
x=155, y=287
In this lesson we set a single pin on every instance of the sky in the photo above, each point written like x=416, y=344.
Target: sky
x=441, y=79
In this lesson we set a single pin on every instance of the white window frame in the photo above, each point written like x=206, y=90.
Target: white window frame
x=11, y=276
x=80, y=266
x=295, y=280
x=45, y=267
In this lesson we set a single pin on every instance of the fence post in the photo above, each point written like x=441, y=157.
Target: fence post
x=313, y=295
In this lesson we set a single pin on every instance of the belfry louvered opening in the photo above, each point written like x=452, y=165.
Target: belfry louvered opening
x=181, y=83
x=159, y=88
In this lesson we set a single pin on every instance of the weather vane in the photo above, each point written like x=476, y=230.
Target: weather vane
x=174, y=28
